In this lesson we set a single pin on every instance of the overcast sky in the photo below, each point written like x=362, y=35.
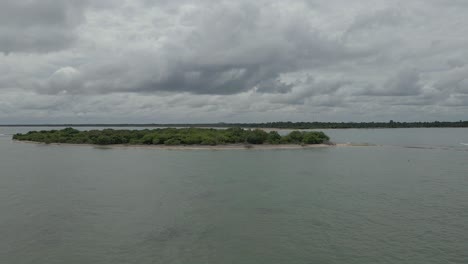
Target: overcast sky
x=158, y=61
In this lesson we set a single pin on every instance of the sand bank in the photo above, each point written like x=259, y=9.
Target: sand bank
x=201, y=147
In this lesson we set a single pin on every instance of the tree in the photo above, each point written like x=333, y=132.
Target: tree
x=147, y=139
x=311, y=138
x=273, y=138
x=296, y=136
x=256, y=136
x=103, y=140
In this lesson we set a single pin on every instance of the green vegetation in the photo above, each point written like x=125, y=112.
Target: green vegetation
x=173, y=136
x=338, y=125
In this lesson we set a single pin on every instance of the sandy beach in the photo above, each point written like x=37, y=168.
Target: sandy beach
x=200, y=147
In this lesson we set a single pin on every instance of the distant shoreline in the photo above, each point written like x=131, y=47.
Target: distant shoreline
x=274, y=125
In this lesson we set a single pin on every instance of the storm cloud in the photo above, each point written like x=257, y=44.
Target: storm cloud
x=234, y=61
x=38, y=25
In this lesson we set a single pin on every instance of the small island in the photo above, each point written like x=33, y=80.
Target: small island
x=175, y=137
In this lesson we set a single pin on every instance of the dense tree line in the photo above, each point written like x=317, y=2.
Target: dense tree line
x=333, y=125
x=173, y=136
x=285, y=125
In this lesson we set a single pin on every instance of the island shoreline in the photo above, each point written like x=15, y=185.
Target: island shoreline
x=200, y=147
x=185, y=138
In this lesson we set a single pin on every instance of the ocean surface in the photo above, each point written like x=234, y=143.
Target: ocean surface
x=403, y=199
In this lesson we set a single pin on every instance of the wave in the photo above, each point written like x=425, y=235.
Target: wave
x=464, y=144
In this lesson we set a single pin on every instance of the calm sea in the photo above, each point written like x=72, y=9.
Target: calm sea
x=403, y=201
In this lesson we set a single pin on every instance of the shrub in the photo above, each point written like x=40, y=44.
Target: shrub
x=257, y=136
x=209, y=141
x=273, y=138
x=172, y=141
x=296, y=136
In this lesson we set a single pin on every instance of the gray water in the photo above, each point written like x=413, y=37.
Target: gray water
x=404, y=201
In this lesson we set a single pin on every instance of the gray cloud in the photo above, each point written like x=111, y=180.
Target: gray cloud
x=376, y=20
x=247, y=47
x=319, y=93
x=454, y=79
x=232, y=60
x=39, y=26
x=404, y=83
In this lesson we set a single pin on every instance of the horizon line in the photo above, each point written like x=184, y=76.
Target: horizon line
x=222, y=123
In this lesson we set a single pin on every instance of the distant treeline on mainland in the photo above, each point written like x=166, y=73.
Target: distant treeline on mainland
x=173, y=136
x=281, y=125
